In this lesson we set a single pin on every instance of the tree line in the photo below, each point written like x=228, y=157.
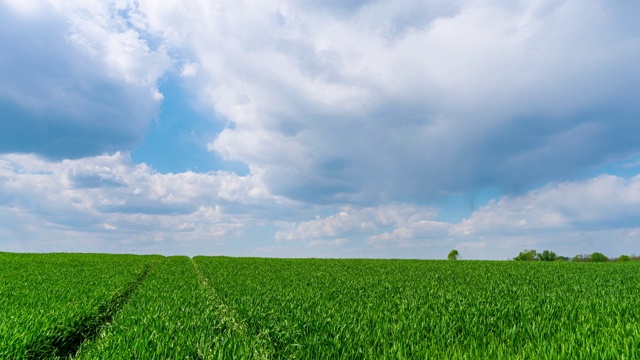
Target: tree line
x=546, y=255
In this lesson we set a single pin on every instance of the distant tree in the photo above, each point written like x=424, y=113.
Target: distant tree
x=598, y=257
x=624, y=258
x=581, y=258
x=563, y=258
x=526, y=255
x=453, y=255
x=547, y=256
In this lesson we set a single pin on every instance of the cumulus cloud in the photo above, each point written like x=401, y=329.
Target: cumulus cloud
x=107, y=202
x=598, y=214
x=398, y=224
x=601, y=202
x=327, y=102
x=109, y=197
x=76, y=79
x=377, y=101
x=352, y=112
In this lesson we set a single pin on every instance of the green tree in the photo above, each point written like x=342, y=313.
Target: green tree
x=580, y=258
x=526, y=255
x=598, y=257
x=547, y=256
x=453, y=255
x=624, y=258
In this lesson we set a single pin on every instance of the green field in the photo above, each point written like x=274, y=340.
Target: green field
x=96, y=306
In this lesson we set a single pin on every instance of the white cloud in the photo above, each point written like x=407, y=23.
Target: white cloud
x=76, y=79
x=412, y=233
x=360, y=103
x=357, y=222
x=107, y=203
x=376, y=101
x=597, y=202
x=109, y=226
x=598, y=214
x=355, y=111
x=472, y=246
x=109, y=197
x=189, y=70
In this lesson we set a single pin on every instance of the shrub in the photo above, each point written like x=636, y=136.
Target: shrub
x=547, y=256
x=526, y=255
x=598, y=257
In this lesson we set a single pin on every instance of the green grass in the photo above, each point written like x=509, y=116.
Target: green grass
x=248, y=308
x=174, y=315
x=433, y=309
x=52, y=302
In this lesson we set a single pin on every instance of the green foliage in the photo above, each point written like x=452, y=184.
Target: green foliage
x=51, y=302
x=624, y=258
x=174, y=315
x=598, y=257
x=526, y=255
x=453, y=255
x=372, y=309
x=547, y=255
x=580, y=258
x=533, y=255
x=250, y=308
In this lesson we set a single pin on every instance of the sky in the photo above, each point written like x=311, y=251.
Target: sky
x=343, y=129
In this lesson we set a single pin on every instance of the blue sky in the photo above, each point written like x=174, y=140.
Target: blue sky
x=376, y=129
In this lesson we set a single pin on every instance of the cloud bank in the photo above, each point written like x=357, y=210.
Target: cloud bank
x=111, y=204
x=375, y=101
x=110, y=198
x=355, y=119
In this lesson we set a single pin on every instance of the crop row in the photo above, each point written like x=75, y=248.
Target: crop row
x=136, y=307
x=174, y=315
x=432, y=309
x=53, y=302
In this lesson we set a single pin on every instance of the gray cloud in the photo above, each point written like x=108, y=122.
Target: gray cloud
x=72, y=86
x=358, y=102
x=484, y=96
x=91, y=181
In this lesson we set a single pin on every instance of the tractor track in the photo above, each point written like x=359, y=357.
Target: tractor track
x=64, y=343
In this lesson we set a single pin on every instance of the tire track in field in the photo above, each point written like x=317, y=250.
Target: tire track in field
x=67, y=342
x=230, y=318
